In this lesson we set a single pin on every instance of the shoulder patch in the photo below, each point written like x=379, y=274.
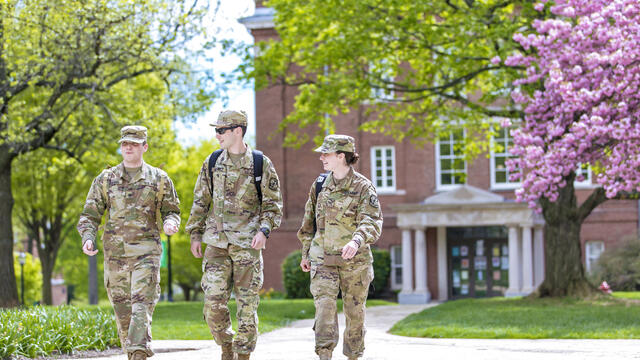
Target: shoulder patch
x=273, y=184
x=373, y=201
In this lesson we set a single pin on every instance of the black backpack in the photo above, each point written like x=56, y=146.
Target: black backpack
x=257, y=169
x=319, y=182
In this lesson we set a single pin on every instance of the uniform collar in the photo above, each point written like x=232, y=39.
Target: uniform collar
x=123, y=173
x=245, y=162
x=344, y=184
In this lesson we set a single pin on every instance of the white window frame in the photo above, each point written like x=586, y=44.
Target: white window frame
x=439, y=185
x=396, y=263
x=374, y=179
x=591, y=258
x=509, y=185
x=382, y=95
x=587, y=180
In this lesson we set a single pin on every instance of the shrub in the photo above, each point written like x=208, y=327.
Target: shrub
x=41, y=331
x=381, y=271
x=620, y=266
x=296, y=282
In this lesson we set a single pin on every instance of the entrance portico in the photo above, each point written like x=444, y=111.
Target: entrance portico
x=467, y=206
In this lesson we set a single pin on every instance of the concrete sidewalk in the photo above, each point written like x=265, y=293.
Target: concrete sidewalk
x=297, y=342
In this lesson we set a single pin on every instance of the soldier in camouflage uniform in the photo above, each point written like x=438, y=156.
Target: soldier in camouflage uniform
x=234, y=225
x=136, y=197
x=336, y=232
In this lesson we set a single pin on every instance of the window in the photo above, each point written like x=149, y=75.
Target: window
x=585, y=171
x=396, y=267
x=381, y=76
x=451, y=168
x=499, y=173
x=592, y=253
x=383, y=170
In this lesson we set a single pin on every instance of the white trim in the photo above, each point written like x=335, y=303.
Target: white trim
x=262, y=18
x=383, y=161
x=439, y=185
x=591, y=259
x=509, y=185
x=587, y=183
x=396, y=284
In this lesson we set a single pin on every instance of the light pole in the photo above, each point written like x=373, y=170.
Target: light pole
x=22, y=257
x=169, y=290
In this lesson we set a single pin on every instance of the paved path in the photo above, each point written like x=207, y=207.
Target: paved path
x=296, y=342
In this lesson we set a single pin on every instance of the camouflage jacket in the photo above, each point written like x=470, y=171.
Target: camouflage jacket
x=343, y=211
x=235, y=215
x=130, y=228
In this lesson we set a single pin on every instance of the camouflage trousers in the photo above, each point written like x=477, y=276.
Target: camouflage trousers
x=133, y=287
x=238, y=269
x=353, y=279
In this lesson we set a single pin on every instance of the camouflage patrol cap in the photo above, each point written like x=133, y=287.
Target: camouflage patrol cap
x=133, y=133
x=230, y=118
x=333, y=143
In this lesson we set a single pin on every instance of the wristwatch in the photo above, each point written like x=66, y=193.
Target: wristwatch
x=265, y=231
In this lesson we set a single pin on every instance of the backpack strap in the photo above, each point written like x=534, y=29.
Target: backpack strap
x=257, y=172
x=258, y=160
x=159, y=197
x=319, y=182
x=212, y=162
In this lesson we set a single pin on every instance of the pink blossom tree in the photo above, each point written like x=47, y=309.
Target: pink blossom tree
x=581, y=98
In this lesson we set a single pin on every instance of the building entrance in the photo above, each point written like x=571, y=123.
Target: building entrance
x=478, y=261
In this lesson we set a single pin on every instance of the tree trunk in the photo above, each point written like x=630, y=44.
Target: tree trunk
x=564, y=272
x=186, y=290
x=47, y=270
x=8, y=288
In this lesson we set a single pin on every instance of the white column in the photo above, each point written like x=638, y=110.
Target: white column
x=538, y=256
x=514, y=263
x=421, y=264
x=527, y=260
x=443, y=275
x=407, y=265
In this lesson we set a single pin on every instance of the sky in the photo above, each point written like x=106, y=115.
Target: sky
x=239, y=98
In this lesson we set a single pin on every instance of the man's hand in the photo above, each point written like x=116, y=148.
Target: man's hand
x=88, y=249
x=305, y=265
x=196, y=248
x=170, y=228
x=259, y=241
x=349, y=250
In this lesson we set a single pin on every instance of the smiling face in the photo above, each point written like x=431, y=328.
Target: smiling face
x=132, y=152
x=229, y=136
x=332, y=161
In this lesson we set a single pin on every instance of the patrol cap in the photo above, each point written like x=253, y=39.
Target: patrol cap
x=333, y=143
x=230, y=118
x=133, y=133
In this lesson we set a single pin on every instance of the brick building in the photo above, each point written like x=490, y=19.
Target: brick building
x=447, y=239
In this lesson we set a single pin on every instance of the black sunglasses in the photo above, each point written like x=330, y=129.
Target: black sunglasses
x=224, y=129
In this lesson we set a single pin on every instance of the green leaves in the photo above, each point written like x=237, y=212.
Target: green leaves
x=410, y=68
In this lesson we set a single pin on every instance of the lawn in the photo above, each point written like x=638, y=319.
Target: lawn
x=523, y=318
x=184, y=320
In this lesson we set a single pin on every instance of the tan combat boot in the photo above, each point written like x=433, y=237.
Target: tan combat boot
x=325, y=354
x=139, y=355
x=243, y=356
x=227, y=353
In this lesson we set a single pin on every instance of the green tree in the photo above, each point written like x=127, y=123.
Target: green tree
x=410, y=69
x=32, y=278
x=60, y=62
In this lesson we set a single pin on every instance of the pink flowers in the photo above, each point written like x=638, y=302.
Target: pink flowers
x=588, y=112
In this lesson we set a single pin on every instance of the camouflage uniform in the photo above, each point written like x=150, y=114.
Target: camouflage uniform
x=227, y=224
x=345, y=210
x=131, y=241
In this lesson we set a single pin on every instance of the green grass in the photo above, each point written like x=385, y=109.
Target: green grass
x=183, y=320
x=523, y=318
x=626, y=294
